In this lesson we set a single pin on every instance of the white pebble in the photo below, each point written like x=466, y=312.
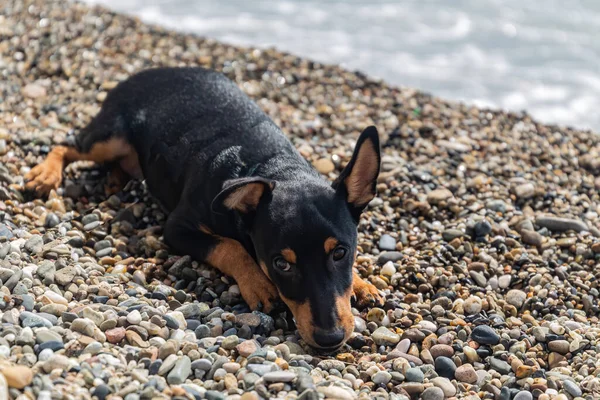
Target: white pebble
x=45, y=355
x=134, y=317
x=388, y=269
x=4, y=351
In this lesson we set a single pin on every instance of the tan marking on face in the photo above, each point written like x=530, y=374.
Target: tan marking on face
x=245, y=198
x=304, y=319
x=358, y=183
x=330, y=244
x=303, y=316
x=289, y=255
x=344, y=313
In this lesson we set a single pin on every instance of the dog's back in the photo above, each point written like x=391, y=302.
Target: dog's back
x=184, y=122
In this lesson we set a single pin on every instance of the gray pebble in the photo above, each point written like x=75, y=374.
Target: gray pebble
x=386, y=242
x=180, y=372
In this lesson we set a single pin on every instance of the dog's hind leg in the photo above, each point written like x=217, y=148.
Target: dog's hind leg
x=94, y=143
x=116, y=181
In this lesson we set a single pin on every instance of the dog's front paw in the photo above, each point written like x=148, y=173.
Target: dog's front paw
x=44, y=177
x=260, y=295
x=365, y=294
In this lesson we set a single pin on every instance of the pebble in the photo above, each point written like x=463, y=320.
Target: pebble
x=414, y=375
x=324, y=166
x=432, y=393
x=180, y=372
x=279, y=376
x=559, y=346
x=572, y=388
x=484, y=334
x=445, y=367
x=115, y=335
x=516, y=297
x=84, y=326
x=388, y=269
x=230, y=342
x=466, y=373
x=532, y=238
x=33, y=91
x=383, y=336
x=247, y=347
x=17, y=376
x=523, y=395
x=445, y=385
x=382, y=377
x=525, y=191
x=66, y=275
x=134, y=317
x=500, y=365
x=441, y=350
x=334, y=392
x=557, y=224
x=473, y=305
x=439, y=195
x=386, y=242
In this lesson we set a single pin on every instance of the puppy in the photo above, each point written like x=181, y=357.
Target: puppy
x=239, y=195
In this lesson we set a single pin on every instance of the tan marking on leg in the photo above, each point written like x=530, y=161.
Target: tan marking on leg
x=264, y=269
x=231, y=258
x=131, y=165
x=366, y=294
x=116, y=181
x=330, y=244
x=289, y=255
x=205, y=229
x=48, y=175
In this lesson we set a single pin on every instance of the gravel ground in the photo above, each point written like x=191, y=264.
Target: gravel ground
x=484, y=238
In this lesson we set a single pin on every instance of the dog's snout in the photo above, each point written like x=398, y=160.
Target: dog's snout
x=329, y=338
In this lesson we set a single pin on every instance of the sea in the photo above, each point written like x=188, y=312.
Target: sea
x=541, y=56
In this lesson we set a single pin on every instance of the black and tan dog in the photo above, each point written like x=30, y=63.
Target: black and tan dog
x=240, y=197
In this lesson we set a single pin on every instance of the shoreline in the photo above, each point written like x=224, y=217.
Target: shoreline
x=485, y=238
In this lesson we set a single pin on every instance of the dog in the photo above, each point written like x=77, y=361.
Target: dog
x=239, y=195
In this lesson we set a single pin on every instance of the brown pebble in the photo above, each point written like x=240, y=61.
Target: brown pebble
x=18, y=376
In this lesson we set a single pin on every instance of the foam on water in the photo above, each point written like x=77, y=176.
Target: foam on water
x=539, y=55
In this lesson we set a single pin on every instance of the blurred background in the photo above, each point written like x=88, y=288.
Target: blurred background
x=542, y=56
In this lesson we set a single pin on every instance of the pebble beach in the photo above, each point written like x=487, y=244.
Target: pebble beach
x=484, y=238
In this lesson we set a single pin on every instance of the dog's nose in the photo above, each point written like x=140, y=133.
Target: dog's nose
x=329, y=338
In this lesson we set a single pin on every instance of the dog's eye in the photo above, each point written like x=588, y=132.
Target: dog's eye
x=339, y=253
x=281, y=264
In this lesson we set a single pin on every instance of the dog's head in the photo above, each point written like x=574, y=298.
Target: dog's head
x=305, y=236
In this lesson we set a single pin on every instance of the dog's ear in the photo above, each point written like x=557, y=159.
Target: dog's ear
x=358, y=181
x=241, y=195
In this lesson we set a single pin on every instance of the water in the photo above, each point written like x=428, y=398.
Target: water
x=542, y=56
